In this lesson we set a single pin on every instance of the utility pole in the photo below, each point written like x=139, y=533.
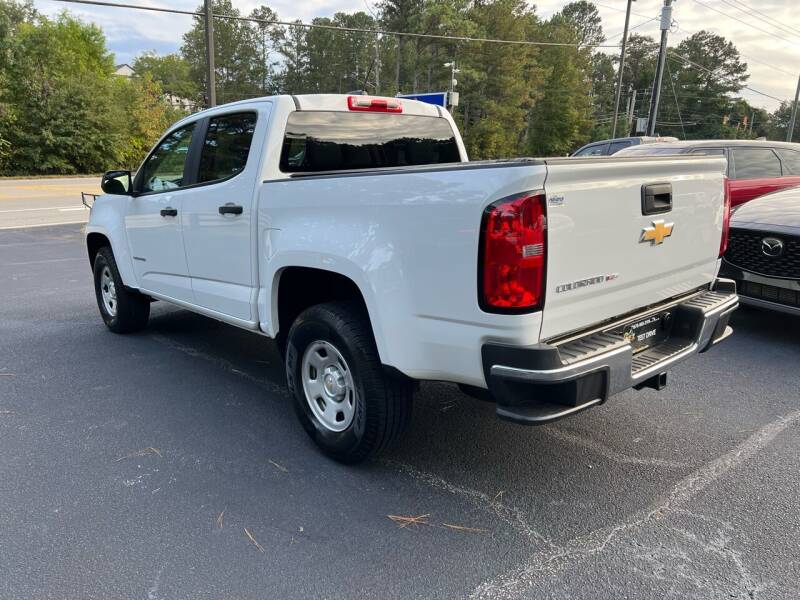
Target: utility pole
x=630, y=111
x=621, y=67
x=666, y=22
x=377, y=66
x=452, y=97
x=790, y=130
x=211, y=79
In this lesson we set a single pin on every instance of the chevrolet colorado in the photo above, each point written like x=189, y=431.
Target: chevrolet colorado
x=353, y=230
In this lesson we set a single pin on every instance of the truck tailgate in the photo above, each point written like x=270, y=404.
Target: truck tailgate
x=599, y=263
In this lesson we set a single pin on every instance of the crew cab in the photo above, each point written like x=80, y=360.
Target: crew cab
x=755, y=167
x=354, y=231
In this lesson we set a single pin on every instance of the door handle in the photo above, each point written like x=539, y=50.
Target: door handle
x=230, y=209
x=169, y=212
x=656, y=198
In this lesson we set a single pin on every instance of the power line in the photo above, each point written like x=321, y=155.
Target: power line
x=746, y=23
x=677, y=104
x=764, y=17
x=452, y=38
x=619, y=33
x=690, y=33
x=707, y=70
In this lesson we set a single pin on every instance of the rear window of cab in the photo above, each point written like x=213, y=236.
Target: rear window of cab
x=318, y=141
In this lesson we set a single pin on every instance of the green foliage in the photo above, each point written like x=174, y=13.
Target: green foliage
x=561, y=118
x=61, y=108
x=238, y=63
x=500, y=80
x=171, y=71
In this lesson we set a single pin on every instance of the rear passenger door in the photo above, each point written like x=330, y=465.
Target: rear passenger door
x=218, y=216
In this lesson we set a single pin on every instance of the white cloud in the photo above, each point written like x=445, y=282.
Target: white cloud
x=130, y=32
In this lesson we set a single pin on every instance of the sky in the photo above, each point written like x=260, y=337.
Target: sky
x=769, y=42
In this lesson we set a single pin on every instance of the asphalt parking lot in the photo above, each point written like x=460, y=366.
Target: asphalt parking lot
x=169, y=464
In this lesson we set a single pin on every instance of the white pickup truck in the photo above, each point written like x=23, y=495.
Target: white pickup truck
x=353, y=230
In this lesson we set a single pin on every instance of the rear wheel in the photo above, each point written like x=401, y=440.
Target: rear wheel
x=123, y=310
x=345, y=401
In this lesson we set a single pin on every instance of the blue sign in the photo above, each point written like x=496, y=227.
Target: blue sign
x=436, y=98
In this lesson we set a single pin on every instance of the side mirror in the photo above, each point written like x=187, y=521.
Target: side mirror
x=117, y=182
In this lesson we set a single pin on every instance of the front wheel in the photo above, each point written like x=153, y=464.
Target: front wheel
x=123, y=310
x=345, y=401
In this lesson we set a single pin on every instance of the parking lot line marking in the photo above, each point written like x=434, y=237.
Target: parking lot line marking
x=39, y=262
x=43, y=225
x=71, y=208
x=515, y=583
x=61, y=208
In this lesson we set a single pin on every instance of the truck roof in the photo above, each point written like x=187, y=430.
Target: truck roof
x=327, y=102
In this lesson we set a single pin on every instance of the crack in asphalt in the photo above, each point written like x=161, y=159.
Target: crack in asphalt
x=609, y=453
x=514, y=584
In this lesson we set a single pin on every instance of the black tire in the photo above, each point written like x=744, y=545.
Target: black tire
x=132, y=308
x=383, y=402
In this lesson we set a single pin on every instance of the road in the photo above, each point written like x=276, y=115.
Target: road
x=169, y=464
x=49, y=201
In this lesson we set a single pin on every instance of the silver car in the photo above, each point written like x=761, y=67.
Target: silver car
x=763, y=253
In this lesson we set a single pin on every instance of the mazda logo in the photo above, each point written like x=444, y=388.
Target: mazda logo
x=772, y=247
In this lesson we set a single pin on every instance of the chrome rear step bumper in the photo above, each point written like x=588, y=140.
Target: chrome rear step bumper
x=539, y=384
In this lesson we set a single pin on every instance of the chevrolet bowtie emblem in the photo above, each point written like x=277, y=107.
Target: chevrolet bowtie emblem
x=657, y=232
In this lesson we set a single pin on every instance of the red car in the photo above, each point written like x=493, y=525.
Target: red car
x=755, y=167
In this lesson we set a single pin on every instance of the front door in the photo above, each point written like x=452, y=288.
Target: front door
x=153, y=221
x=218, y=217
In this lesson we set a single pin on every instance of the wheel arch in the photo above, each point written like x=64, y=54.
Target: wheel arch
x=98, y=235
x=94, y=241
x=297, y=288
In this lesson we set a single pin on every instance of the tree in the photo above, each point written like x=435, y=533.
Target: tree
x=561, y=118
x=236, y=59
x=269, y=39
x=171, y=71
x=778, y=123
x=586, y=22
x=57, y=78
x=341, y=60
x=400, y=15
x=603, y=85
x=499, y=80
x=294, y=48
x=141, y=115
x=639, y=72
x=705, y=72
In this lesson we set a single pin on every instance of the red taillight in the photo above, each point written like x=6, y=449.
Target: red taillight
x=365, y=103
x=513, y=253
x=726, y=218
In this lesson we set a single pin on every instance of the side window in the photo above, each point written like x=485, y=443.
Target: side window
x=712, y=152
x=596, y=150
x=791, y=161
x=617, y=146
x=163, y=169
x=753, y=163
x=226, y=146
